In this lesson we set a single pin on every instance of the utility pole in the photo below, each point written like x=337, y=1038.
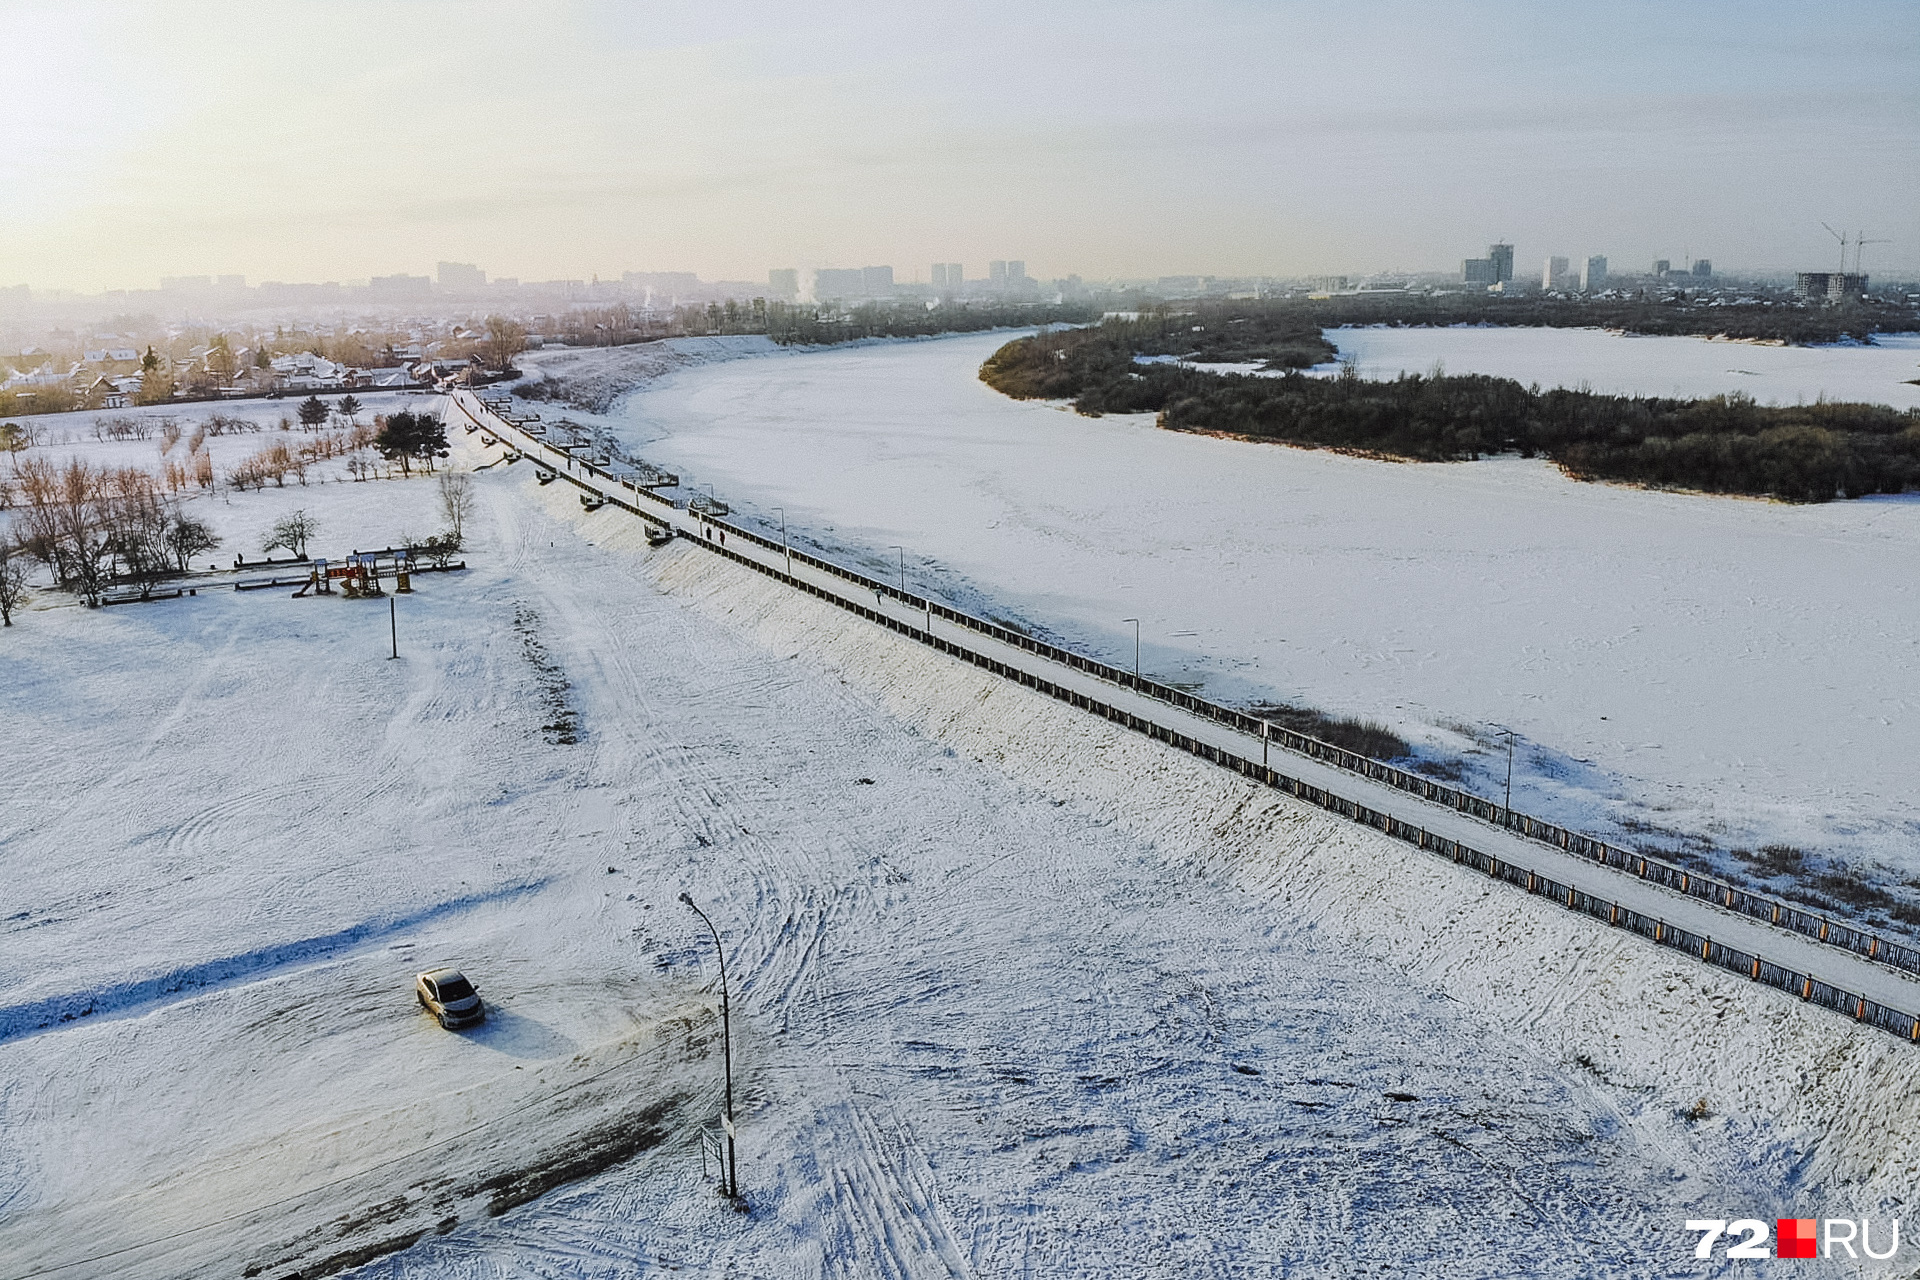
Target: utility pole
x=1136, y=645
x=393, y=626
x=785, y=550
x=903, y=567
x=726, y=1045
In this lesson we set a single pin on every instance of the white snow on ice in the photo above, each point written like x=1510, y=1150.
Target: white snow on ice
x=1634, y=364
x=1736, y=668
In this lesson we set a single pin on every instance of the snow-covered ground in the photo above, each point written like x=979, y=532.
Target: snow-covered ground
x=1674, y=665
x=986, y=1023
x=1631, y=364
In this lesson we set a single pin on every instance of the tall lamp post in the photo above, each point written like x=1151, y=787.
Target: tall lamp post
x=1136, y=645
x=903, y=566
x=726, y=1045
x=1509, y=803
x=785, y=550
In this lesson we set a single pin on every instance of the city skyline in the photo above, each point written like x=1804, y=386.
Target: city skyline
x=360, y=141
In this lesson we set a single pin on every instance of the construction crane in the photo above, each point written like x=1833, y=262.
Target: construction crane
x=1844, y=242
x=1858, y=241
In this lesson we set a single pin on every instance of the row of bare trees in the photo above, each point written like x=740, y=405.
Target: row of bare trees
x=273, y=463
x=93, y=526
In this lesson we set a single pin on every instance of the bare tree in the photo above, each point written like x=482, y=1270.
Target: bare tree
x=187, y=537
x=505, y=339
x=292, y=534
x=456, y=501
x=13, y=580
x=83, y=536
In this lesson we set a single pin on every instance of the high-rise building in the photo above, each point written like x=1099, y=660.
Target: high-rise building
x=784, y=283
x=1016, y=271
x=1593, y=276
x=1661, y=266
x=956, y=278
x=1501, y=255
x=939, y=275
x=1703, y=268
x=400, y=286
x=1553, y=275
x=836, y=282
x=460, y=276
x=663, y=284
x=1478, y=271
x=997, y=274
x=876, y=282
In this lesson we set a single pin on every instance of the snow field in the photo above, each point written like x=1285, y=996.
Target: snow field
x=238, y=834
x=1636, y=1017
x=992, y=1005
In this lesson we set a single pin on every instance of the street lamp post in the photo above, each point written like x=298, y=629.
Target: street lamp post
x=1509, y=802
x=726, y=1045
x=784, y=548
x=903, y=567
x=1136, y=645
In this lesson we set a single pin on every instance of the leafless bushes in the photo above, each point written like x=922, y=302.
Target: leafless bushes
x=274, y=462
x=91, y=525
x=125, y=426
x=226, y=424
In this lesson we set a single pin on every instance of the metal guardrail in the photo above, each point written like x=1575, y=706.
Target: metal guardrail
x=1785, y=915
x=1755, y=968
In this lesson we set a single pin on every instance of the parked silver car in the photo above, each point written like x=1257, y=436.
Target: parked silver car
x=448, y=995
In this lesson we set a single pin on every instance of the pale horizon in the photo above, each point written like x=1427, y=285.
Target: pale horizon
x=298, y=143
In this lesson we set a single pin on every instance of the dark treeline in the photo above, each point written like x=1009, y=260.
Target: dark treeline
x=804, y=324
x=1727, y=444
x=810, y=326
x=1779, y=320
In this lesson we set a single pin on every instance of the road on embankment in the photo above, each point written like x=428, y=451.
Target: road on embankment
x=1805, y=955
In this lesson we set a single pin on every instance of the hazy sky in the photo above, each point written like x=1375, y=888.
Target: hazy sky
x=338, y=140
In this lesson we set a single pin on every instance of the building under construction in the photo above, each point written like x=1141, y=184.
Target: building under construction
x=1829, y=286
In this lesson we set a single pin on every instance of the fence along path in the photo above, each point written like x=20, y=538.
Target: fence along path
x=1827, y=962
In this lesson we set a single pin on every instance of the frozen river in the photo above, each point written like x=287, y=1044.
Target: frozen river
x=1623, y=364
x=1706, y=665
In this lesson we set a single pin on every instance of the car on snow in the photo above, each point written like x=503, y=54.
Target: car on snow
x=448, y=995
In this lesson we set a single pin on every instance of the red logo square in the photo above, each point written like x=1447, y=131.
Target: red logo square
x=1797, y=1237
